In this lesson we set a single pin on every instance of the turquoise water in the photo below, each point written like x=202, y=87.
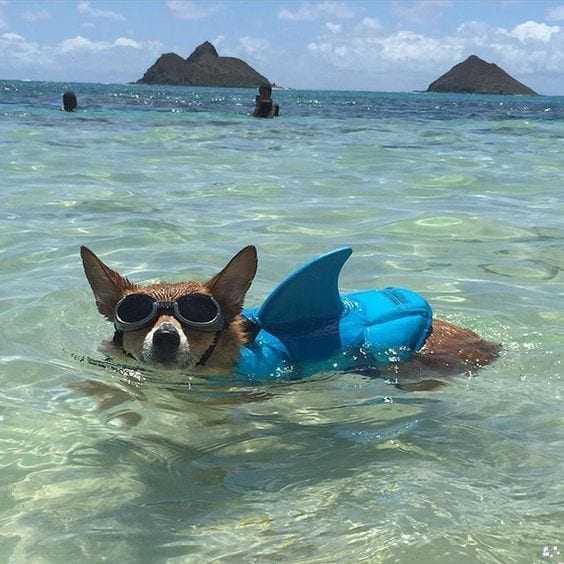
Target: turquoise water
x=457, y=197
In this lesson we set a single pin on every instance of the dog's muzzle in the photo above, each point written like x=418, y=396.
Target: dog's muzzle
x=166, y=340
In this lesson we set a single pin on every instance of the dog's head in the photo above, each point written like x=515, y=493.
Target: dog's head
x=189, y=325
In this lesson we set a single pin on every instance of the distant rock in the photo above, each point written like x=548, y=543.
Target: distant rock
x=475, y=76
x=204, y=67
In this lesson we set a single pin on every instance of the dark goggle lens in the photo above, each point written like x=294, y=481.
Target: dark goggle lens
x=135, y=308
x=198, y=308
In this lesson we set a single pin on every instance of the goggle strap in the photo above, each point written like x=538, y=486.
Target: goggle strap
x=209, y=351
x=118, y=338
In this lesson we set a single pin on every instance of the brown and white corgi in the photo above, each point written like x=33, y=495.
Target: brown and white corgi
x=192, y=326
x=198, y=326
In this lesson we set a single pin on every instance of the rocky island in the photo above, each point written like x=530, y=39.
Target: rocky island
x=476, y=76
x=204, y=67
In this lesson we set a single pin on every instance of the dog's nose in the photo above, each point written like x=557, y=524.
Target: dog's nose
x=166, y=338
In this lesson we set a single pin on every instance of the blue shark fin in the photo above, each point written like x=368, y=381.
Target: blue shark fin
x=309, y=295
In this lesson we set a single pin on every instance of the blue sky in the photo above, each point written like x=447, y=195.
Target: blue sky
x=395, y=45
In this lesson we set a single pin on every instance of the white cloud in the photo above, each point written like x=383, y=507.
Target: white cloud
x=369, y=24
x=314, y=11
x=534, y=30
x=333, y=28
x=87, y=10
x=474, y=31
x=555, y=14
x=80, y=44
x=419, y=11
x=218, y=41
x=412, y=48
x=40, y=16
x=126, y=42
x=253, y=45
x=16, y=54
x=253, y=50
x=369, y=53
x=11, y=37
x=76, y=58
x=189, y=10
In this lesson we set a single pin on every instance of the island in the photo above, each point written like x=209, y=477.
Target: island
x=204, y=67
x=476, y=76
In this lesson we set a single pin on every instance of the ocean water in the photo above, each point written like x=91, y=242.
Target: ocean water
x=460, y=198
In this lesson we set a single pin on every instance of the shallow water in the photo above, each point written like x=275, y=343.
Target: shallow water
x=457, y=197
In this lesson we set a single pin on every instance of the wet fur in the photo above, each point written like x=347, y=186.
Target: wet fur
x=449, y=349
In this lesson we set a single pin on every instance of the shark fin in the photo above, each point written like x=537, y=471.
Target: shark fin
x=309, y=295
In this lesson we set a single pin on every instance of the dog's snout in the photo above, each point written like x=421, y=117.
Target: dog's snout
x=166, y=338
x=165, y=345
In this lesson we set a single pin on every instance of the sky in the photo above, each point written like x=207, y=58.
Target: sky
x=375, y=45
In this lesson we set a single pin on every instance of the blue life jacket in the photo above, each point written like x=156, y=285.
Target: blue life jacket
x=306, y=326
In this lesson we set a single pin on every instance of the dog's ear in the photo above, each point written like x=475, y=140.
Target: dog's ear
x=108, y=286
x=231, y=284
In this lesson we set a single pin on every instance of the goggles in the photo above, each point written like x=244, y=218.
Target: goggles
x=196, y=311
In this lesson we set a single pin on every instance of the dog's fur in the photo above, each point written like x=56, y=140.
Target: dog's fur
x=449, y=348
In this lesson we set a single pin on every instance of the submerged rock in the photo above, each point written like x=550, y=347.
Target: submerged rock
x=476, y=76
x=204, y=67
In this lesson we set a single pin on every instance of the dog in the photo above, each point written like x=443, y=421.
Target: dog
x=209, y=342
x=198, y=326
